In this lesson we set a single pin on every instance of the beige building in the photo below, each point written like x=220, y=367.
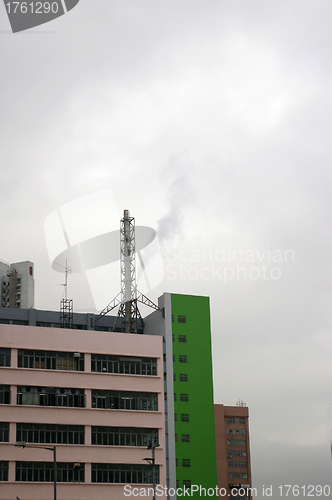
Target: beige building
x=17, y=288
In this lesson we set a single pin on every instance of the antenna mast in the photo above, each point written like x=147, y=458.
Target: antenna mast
x=128, y=270
x=129, y=296
x=66, y=305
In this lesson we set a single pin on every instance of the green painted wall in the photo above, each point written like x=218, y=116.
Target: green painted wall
x=201, y=449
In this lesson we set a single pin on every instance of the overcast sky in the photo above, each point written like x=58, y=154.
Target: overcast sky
x=211, y=122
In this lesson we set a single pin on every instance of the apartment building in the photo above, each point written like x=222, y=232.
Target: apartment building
x=17, y=285
x=189, y=407
x=98, y=396
x=233, y=450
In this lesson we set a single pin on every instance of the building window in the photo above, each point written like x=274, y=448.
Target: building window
x=232, y=453
x=185, y=438
x=173, y=358
x=50, y=396
x=230, y=431
x=186, y=462
x=50, y=360
x=243, y=475
x=173, y=337
x=174, y=377
x=240, y=431
x=123, y=473
x=4, y=357
x=67, y=472
x=234, y=420
x=123, y=436
x=123, y=400
x=176, y=462
x=183, y=358
x=172, y=318
x=183, y=377
x=183, y=339
x=174, y=396
x=187, y=483
x=4, y=394
x=30, y=270
x=241, y=453
x=184, y=397
x=4, y=432
x=176, y=438
x=181, y=319
x=130, y=365
x=231, y=442
x=184, y=417
x=50, y=433
x=241, y=442
x=237, y=464
x=175, y=417
x=233, y=475
x=3, y=470
x=20, y=322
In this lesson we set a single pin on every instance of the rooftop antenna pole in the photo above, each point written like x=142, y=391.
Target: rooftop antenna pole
x=128, y=272
x=66, y=305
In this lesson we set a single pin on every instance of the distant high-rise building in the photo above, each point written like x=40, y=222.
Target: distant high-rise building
x=17, y=285
x=233, y=451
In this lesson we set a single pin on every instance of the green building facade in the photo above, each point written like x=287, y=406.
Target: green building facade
x=195, y=449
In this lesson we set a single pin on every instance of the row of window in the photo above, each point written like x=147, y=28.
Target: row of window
x=68, y=472
x=183, y=397
x=121, y=400
x=237, y=464
x=233, y=453
x=123, y=364
x=74, y=361
x=185, y=462
x=235, y=420
x=181, y=338
x=181, y=319
x=235, y=431
x=238, y=475
x=74, y=434
x=4, y=357
x=236, y=442
x=183, y=377
x=51, y=396
x=184, y=417
x=185, y=438
x=50, y=360
x=75, y=398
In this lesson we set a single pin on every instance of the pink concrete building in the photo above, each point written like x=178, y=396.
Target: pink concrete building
x=97, y=395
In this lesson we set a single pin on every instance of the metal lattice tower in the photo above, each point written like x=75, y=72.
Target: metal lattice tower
x=128, y=308
x=128, y=314
x=66, y=305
